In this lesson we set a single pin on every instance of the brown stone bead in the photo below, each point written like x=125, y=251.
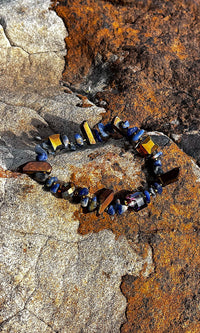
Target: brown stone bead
x=35, y=166
x=105, y=197
x=169, y=177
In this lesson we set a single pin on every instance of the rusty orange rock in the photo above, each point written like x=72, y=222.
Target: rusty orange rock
x=150, y=51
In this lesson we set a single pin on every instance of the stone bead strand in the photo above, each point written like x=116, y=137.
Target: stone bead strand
x=105, y=201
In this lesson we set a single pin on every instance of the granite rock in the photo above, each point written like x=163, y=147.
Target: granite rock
x=32, y=45
x=53, y=277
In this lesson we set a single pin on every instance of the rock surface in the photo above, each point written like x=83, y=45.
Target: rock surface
x=142, y=57
x=63, y=270
x=32, y=45
x=66, y=281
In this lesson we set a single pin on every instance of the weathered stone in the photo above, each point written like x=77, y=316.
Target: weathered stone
x=32, y=45
x=145, y=53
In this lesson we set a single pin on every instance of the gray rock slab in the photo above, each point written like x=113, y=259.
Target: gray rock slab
x=32, y=46
x=54, y=279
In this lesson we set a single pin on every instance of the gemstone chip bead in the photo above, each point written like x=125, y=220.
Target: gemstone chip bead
x=92, y=204
x=55, y=141
x=136, y=201
x=169, y=177
x=84, y=202
x=87, y=133
x=146, y=146
x=79, y=140
x=67, y=191
x=42, y=157
x=83, y=192
x=35, y=166
x=111, y=210
x=105, y=197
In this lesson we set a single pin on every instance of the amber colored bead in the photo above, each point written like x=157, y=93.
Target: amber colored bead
x=104, y=199
x=55, y=141
x=35, y=166
x=147, y=146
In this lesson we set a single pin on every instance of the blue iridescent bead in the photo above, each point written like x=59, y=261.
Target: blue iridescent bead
x=42, y=157
x=45, y=146
x=125, y=124
x=148, y=197
x=160, y=153
x=157, y=163
x=50, y=181
x=111, y=210
x=79, y=140
x=84, y=202
x=131, y=131
x=39, y=150
x=158, y=188
x=138, y=135
x=152, y=192
x=158, y=170
x=54, y=188
x=121, y=209
x=65, y=140
x=97, y=135
x=101, y=128
x=83, y=192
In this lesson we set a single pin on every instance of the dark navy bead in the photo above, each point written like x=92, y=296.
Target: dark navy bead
x=108, y=128
x=45, y=145
x=97, y=135
x=101, y=128
x=158, y=163
x=158, y=170
x=72, y=146
x=158, y=188
x=138, y=135
x=40, y=177
x=148, y=197
x=50, y=181
x=131, y=131
x=83, y=192
x=125, y=124
x=111, y=210
x=42, y=157
x=54, y=188
x=79, y=140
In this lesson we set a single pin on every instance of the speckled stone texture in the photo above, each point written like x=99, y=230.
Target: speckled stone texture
x=54, y=278
x=63, y=270
x=32, y=46
x=141, y=58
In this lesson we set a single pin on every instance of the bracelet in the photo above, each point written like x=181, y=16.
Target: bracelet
x=105, y=199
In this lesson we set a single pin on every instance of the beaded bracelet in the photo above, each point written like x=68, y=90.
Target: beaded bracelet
x=104, y=200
